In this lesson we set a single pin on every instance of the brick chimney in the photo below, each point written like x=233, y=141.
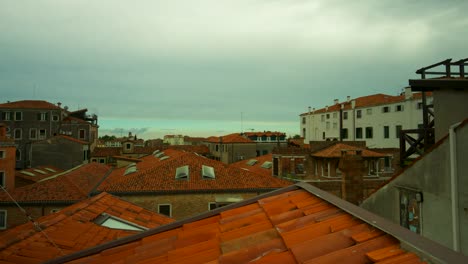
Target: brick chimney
x=353, y=169
x=7, y=159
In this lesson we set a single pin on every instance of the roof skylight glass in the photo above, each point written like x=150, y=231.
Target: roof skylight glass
x=51, y=170
x=182, y=172
x=40, y=171
x=130, y=170
x=164, y=158
x=159, y=154
x=208, y=172
x=267, y=165
x=114, y=222
x=28, y=173
x=251, y=162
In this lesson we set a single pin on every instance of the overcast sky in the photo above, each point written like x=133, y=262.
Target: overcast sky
x=199, y=67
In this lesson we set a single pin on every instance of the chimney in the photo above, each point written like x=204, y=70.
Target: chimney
x=309, y=109
x=348, y=98
x=353, y=169
x=59, y=104
x=335, y=101
x=353, y=104
x=408, y=93
x=326, y=108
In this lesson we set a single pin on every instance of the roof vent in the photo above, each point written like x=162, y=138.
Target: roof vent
x=28, y=173
x=156, y=151
x=267, y=165
x=164, y=158
x=208, y=172
x=159, y=154
x=130, y=170
x=182, y=172
x=251, y=162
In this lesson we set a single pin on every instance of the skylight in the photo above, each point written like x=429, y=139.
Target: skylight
x=28, y=173
x=251, y=162
x=156, y=151
x=182, y=172
x=267, y=165
x=130, y=170
x=51, y=170
x=114, y=222
x=208, y=172
x=159, y=154
x=164, y=158
x=133, y=164
x=40, y=171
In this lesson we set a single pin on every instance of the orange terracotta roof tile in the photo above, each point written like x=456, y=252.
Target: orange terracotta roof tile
x=231, y=138
x=155, y=175
x=25, y=243
x=257, y=167
x=71, y=185
x=248, y=233
x=335, y=151
x=367, y=101
x=29, y=104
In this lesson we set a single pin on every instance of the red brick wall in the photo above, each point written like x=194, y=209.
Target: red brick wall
x=7, y=165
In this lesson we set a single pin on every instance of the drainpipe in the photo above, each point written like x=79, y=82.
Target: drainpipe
x=454, y=187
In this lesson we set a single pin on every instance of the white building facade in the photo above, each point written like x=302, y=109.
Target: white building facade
x=376, y=119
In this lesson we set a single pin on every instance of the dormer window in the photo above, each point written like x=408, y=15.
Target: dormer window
x=208, y=172
x=182, y=173
x=130, y=170
x=128, y=146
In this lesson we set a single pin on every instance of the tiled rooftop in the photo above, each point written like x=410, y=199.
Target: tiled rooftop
x=367, y=101
x=156, y=175
x=257, y=166
x=72, y=185
x=73, y=229
x=266, y=133
x=293, y=225
x=29, y=104
x=106, y=151
x=231, y=138
x=335, y=151
x=38, y=173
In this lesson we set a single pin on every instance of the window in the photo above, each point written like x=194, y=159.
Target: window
x=3, y=219
x=18, y=154
x=398, y=108
x=386, y=132
x=358, y=132
x=264, y=152
x=328, y=125
x=33, y=133
x=369, y=111
x=93, y=160
x=82, y=135
x=303, y=120
x=165, y=209
x=323, y=135
x=18, y=133
x=398, y=130
x=6, y=116
x=217, y=148
x=358, y=114
x=102, y=161
x=328, y=116
x=344, y=133
x=128, y=146
x=369, y=133
x=345, y=115
x=211, y=206
x=208, y=172
x=85, y=155
x=335, y=115
x=2, y=178
x=182, y=173
x=335, y=125
x=323, y=118
x=2, y=154
x=42, y=133
x=18, y=116
x=420, y=105
x=55, y=118
x=304, y=132
x=42, y=116
x=385, y=109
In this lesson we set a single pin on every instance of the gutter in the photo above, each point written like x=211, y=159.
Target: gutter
x=454, y=187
